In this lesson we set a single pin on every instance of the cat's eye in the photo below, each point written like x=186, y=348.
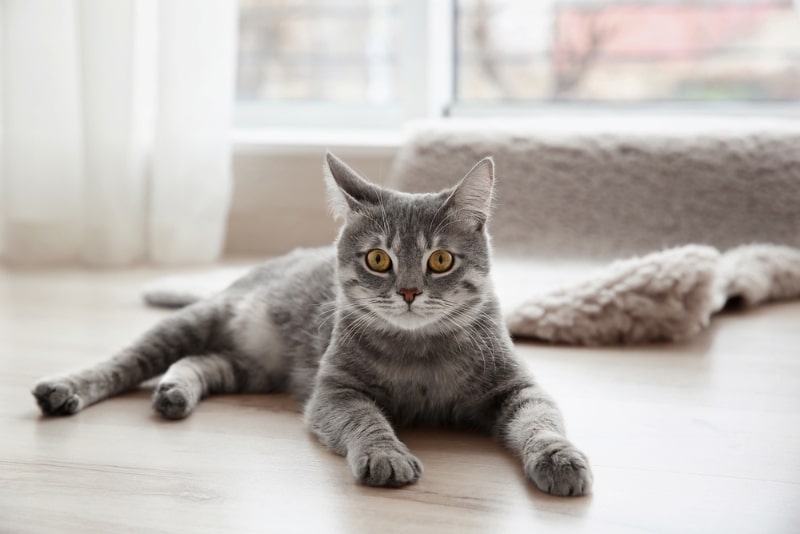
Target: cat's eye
x=378, y=260
x=440, y=261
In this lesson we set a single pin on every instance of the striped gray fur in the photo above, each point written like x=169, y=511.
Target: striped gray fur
x=361, y=356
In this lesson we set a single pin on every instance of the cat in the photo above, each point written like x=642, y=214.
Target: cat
x=396, y=324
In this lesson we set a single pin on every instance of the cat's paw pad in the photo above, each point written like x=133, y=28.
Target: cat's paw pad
x=57, y=397
x=173, y=401
x=386, y=466
x=560, y=469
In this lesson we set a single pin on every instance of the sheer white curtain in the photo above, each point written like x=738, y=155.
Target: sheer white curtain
x=114, y=124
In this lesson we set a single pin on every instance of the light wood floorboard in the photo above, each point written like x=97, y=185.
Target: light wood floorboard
x=698, y=437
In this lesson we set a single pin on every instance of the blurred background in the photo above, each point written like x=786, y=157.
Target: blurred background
x=178, y=132
x=517, y=52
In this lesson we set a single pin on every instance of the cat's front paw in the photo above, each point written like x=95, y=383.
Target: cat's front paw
x=57, y=397
x=560, y=469
x=385, y=465
x=174, y=401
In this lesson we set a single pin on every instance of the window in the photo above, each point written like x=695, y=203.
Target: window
x=312, y=61
x=347, y=63
x=377, y=63
x=623, y=50
x=340, y=52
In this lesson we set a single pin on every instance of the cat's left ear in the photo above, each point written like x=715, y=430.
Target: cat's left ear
x=472, y=197
x=347, y=190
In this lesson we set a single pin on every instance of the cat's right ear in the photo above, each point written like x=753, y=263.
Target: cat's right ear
x=348, y=192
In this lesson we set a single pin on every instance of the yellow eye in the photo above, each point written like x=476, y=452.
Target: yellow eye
x=378, y=260
x=440, y=261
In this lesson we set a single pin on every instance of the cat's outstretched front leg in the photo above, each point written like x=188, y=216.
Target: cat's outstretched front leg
x=530, y=424
x=350, y=423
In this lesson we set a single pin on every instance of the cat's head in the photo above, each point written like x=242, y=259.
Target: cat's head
x=413, y=261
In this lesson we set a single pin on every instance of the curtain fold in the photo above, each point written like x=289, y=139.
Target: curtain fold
x=115, y=120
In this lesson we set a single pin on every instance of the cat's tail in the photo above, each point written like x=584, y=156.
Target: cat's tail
x=180, y=291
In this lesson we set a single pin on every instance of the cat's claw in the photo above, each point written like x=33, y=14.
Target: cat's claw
x=173, y=401
x=383, y=465
x=560, y=469
x=56, y=397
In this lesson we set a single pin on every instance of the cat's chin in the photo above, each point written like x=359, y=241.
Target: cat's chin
x=410, y=321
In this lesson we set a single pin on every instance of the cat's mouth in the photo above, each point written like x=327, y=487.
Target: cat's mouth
x=410, y=318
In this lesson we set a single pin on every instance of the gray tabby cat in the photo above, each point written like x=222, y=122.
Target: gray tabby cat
x=396, y=325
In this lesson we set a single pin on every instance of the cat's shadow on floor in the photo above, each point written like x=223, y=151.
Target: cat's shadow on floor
x=463, y=469
x=478, y=467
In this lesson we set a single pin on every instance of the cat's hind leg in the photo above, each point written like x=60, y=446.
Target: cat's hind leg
x=193, y=330
x=192, y=378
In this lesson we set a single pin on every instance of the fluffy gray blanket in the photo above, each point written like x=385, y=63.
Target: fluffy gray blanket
x=664, y=296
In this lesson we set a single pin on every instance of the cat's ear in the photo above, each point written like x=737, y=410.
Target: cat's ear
x=472, y=197
x=348, y=192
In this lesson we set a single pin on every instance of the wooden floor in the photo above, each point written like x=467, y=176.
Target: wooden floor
x=701, y=437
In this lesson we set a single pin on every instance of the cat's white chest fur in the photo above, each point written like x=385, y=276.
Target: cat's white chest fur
x=254, y=334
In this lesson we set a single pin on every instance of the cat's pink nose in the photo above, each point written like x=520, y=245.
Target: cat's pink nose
x=409, y=294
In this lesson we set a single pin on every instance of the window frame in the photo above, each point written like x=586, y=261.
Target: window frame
x=427, y=49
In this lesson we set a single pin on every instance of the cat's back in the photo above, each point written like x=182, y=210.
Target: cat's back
x=299, y=285
x=301, y=265
x=289, y=290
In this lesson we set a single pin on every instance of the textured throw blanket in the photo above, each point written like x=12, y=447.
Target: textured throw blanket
x=664, y=296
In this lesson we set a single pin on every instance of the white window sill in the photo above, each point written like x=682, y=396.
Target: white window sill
x=315, y=139
x=566, y=119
